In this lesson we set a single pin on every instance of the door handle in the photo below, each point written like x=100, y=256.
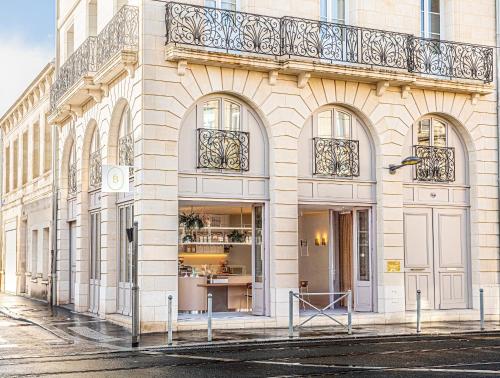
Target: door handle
x=417, y=269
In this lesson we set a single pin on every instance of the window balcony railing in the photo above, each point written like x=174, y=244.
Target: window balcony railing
x=336, y=157
x=437, y=164
x=223, y=149
x=126, y=152
x=120, y=34
x=95, y=170
x=296, y=37
x=78, y=65
x=72, y=188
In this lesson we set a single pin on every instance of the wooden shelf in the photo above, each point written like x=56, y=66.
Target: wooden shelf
x=220, y=228
x=216, y=243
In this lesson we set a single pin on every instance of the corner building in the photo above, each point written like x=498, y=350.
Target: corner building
x=261, y=144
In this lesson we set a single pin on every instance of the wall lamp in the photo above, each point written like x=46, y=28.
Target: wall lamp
x=410, y=160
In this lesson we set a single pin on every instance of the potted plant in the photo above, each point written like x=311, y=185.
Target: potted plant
x=236, y=236
x=190, y=222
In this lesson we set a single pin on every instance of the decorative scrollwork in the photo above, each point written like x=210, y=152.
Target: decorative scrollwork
x=95, y=170
x=223, y=149
x=336, y=157
x=437, y=164
x=126, y=152
x=72, y=188
x=451, y=59
x=120, y=34
x=298, y=37
x=222, y=29
x=79, y=64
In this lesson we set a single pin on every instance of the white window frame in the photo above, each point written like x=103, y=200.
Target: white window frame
x=333, y=111
x=431, y=130
x=425, y=18
x=329, y=12
x=221, y=116
x=218, y=4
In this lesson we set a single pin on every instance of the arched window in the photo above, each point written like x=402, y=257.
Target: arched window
x=336, y=152
x=126, y=141
x=72, y=172
x=221, y=113
x=95, y=165
x=437, y=158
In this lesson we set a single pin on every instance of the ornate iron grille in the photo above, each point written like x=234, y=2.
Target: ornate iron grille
x=223, y=149
x=79, y=64
x=336, y=157
x=222, y=29
x=245, y=32
x=95, y=170
x=120, y=34
x=438, y=163
x=452, y=59
x=72, y=180
x=126, y=152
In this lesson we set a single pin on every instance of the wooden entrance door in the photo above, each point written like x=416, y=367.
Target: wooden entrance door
x=95, y=261
x=345, y=253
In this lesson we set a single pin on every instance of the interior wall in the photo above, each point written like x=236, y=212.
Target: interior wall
x=314, y=268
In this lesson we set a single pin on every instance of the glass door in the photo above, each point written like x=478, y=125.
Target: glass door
x=258, y=260
x=362, y=261
x=125, y=218
x=72, y=261
x=95, y=261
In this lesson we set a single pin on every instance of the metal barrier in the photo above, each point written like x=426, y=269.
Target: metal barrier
x=419, y=308
x=209, y=328
x=481, y=309
x=169, y=321
x=320, y=311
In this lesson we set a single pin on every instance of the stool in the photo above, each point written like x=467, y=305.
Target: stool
x=304, y=287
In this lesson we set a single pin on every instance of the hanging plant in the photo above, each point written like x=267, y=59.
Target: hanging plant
x=191, y=221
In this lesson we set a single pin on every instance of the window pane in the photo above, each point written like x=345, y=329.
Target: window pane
x=434, y=24
x=211, y=114
x=323, y=11
x=439, y=130
x=363, y=247
x=228, y=4
x=342, y=125
x=434, y=6
x=258, y=244
x=423, y=137
x=232, y=116
x=338, y=9
x=325, y=124
x=210, y=3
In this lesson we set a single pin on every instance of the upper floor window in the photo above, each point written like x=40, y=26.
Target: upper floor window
x=72, y=172
x=437, y=158
x=430, y=19
x=333, y=11
x=221, y=114
x=70, y=41
x=95, y=165
x=7, y=169
x=334, y=124
x=222, y=4
x=126, y=141
x=221, y=142
x=36, y=150
x=92, y=17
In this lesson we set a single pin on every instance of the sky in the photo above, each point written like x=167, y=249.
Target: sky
x=26, y=45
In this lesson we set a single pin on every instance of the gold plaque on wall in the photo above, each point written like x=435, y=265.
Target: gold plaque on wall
x=393, y=266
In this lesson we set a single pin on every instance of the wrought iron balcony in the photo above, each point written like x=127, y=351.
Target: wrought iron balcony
x=126, y=152
x=78, y=65
x=120, y=34
x=336, y=157
x=232, y=31
x=437, y=165
x=223, y=149
x=72, y=188
x=95, y=170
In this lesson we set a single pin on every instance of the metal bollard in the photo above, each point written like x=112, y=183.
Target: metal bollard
x=481, y=308
x=169, y=324
x=290, y=314
x=349, y=312
x=418, y=312
x=210, y=317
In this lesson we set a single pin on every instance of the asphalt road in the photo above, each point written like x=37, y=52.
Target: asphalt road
x=456, y=356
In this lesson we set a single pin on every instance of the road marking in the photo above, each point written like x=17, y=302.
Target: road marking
x=220, y=359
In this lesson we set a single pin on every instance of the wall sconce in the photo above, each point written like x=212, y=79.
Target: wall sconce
x=316, y=241
x=410, y=160
x=323, y=240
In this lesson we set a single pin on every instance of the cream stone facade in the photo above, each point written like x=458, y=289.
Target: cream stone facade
x=126, y=94
x=26, y=212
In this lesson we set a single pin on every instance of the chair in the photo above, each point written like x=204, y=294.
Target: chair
x=304, y=287
x=248, y=294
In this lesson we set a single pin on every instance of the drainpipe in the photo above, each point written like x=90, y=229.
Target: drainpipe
x=497, y=82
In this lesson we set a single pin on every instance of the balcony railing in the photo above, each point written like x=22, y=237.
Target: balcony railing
x=336, y=157
x=223, y=149
x=95, y=170
x=78, y=65
x=437, y=164
x=121, y=33
x=126, y=152
x=72, y=188
x=297, y=37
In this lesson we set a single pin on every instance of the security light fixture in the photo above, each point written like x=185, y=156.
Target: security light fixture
x=410, y=160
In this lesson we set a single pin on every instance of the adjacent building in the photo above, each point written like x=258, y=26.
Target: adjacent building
x=261, y=147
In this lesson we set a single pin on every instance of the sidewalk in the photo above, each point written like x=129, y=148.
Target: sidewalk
x=69, y=325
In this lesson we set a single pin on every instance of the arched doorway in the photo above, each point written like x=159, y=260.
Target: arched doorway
x=337, y=207
x=436, y=217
